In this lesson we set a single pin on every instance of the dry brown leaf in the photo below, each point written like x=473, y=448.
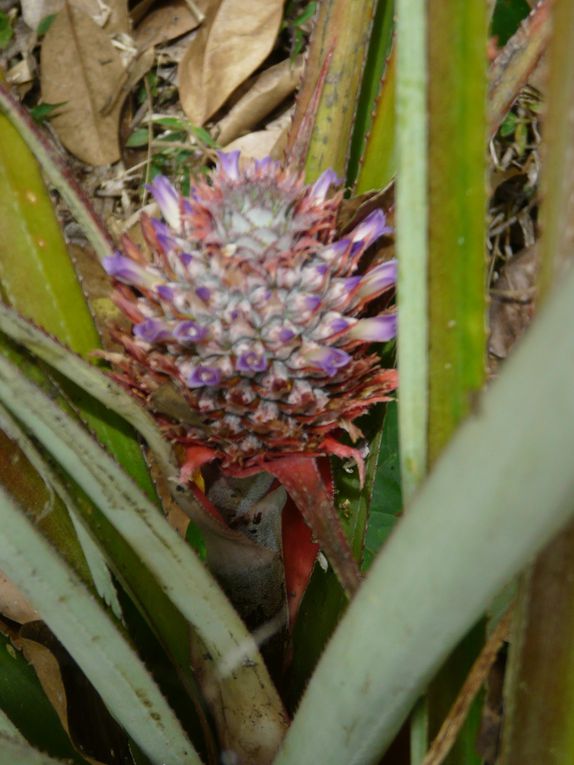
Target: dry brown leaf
x=51, y=664
x=236, y=37
x=119, y=20
x=512, y=302
x=267, y=93
x=13, y=604
x=140, y=10
x=113, y=14
x=48, y=670
x=165, y=23
x=33, y=11
x=80, y=68
x=133, y=73
x=270, y=142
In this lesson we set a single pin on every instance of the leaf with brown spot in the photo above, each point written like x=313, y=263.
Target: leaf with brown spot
x=236, y=37
x=80, y=68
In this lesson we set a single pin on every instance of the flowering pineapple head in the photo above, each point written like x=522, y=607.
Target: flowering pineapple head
x=251, y=308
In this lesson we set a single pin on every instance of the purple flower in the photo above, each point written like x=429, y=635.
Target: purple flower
x=335, y=251
x=229, y=164
x=323, y=183
x=128, y=271
x=152, y=331
x=167, y=200
x=378, y=329
x=203, y=293
x=165, y=292
x=378, y=279
x=165, y=237
x=201, y=376
x=328, y=359
x=372, y=228
x=251, y=361
x=254, y=309
x=189, y=332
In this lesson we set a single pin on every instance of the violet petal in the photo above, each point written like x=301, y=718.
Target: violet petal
x=321, y=186
x=328, y=359
x=168, y=200
x=378, y=329
x=128, y=271
x=373, y=227
x=152, y=331
x=378, y=279
x=229, y=164
x=189, y=332
x=251, y=361
x=202, y=375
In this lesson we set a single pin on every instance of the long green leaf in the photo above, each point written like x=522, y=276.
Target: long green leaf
x=21, y=753
x=377, y=97
x=457, y=213
x=24, y=702
x=39, y=489
x=89, y=635
x=457, y=273
x=412, y=217
x=340, y=39
x=501, y=489
x=8, y=729
x=378, y=165
x=158, y=546
x=55, y=169
x=91, y=379
x=38, y=279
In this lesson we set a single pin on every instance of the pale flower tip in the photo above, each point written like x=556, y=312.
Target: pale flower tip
x=378, y=329
x=167, y=200
x=323, y=183
x=378, y=279
x=151, y=331
x=373, y=227
x=229, y=164
x=124, y=269
x=265, y=165
x=327, y=359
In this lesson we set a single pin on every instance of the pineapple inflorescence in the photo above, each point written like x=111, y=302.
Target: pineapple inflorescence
x=250, y=307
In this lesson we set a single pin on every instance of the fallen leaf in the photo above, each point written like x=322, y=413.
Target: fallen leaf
x=23, y=72
x=512, y=303
x=92, y=730
x=165, y=23
x=268, y=91
x=33, y=11
x=48, y=671
x=113, y=14
x=136, y=69
x=270, y=142
x=80, y=68
x=236, y=37
x=13, y=603
x=119, y=18
x=140, y=9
